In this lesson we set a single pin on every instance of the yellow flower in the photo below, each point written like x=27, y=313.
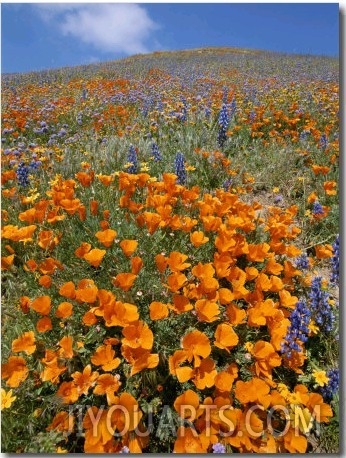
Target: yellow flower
x=249, y=346
x=276, y=189
x=190, y=168
x=144, y=167
x=301, y=418
x=320, y=377
x=283, y=390
x=294, y=398
x=313, y=327
x=6, y=399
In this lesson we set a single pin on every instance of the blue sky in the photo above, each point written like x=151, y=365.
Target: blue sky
x=37, y=36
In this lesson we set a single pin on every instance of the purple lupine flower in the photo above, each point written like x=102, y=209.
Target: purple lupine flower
x=317, y=208
x=334, y=278
x=321, y=310
x=219, y=448
x=302, y=262
x=298, y=329
x=132, y=158
x=180, y=171
x=332, y=387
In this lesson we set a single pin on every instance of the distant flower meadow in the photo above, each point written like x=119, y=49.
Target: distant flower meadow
x=170, y=255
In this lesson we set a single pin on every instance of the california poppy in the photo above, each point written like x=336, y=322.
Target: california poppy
x=64, y=310
x=44, y=324
x=25, y=343
x=41, y=305
x=128, y=246
x=104, y=357
x=124, y=280
x=94, y=257
x=106, y=237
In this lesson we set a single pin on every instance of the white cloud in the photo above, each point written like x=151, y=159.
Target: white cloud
x=113, y=27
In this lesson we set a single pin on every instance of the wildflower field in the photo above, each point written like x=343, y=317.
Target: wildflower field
x=170, y=255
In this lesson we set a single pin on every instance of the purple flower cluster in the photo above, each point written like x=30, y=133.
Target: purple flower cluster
x=334, y=278
x=155, y=152
x=22, y=174
x=223, y=123
x=132, y=158
x=321, y=310
x=180, y=171
x=317, y=208
x=302, y=262
x=298, y=330
x=332, y=387
x=218, y=448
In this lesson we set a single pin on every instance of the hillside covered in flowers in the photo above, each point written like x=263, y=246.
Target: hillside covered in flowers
x=170, y=255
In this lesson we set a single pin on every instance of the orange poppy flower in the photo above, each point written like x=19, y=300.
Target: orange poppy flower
x=207, y=311
x=224, y=381
x=188, y=442
x=161, y=262
x=329, y=187
x=139, y=359
x=295, y=443
x=235, y=315
x=176, y=281
x=104, y=225
x=85, y=178
x=225, y=337
x=181, y=304
x=138, y=335
x=68, y=290
x=176, y=261
x=97, y=434
x=86, y=291
x=26, y=343
x=53, y=367
x=124, y=280
x=24, y=302
x=128, y=246
x=152, y=221
x=14, y=371
x=204, y=375
x=323, y=251
x=128, y=417
x=266, y=358
x=7, y=262
x=120, y=313
x=94, y=257
x=49, y=266
x=106, y=237
x=254, y=390
x=44, y=324
x=320, y=169
x=68, y=392
x=83, y=249
x=64, y=310
x=104, y=357
x=158, y=311
x=89, y=318
x=85, y=380
x=222, y=264
x=258, y=253
x=66, y=350
x=45, y=281
x=62, y=421
x=187, y=399
x=197, y=346
x=41, y=305
x=321, y=411
x=136, y=264
x=47, y=241
x=94, y=207
x=107, y=384
x=106, y=180
x=198, y=238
